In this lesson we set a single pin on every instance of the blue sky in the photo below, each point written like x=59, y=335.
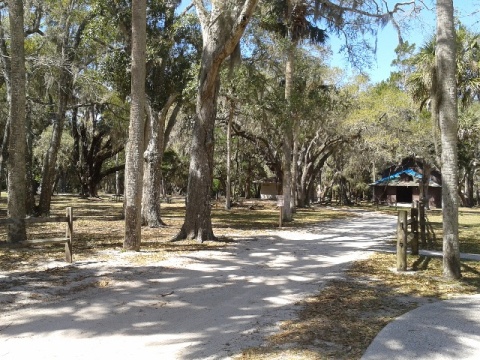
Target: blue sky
x=420, y=31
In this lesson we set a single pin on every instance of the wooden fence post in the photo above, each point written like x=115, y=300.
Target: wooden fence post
x=414, y=230
x=402, y=229
x=69, y=235
x=423, y=227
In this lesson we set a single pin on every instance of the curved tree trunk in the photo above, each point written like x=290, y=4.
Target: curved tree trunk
x=153, y=156
x=295, y=156
x=447, y=116
x=65, y=83
x=198, y=222
x=68, y=41
x=303, y=188
x=50, y=159
x=151, y=200
x=222, y=27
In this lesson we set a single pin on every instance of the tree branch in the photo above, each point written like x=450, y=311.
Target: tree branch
x=238, y=27
x=202, y=12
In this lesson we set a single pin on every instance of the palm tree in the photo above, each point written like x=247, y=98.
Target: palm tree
x=17, y=143
x=422, y=82
x=135, y=145
x=447, y=69
x=468, y=65
x=446, y=98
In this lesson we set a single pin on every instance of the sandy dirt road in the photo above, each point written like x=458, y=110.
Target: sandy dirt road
x=204, y=305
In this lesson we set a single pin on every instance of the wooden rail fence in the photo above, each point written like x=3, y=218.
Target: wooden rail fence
x=416, y=223
x=67, y=239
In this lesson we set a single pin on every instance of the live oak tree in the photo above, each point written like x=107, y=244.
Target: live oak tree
x=135, y=145
x=98, y=136
x=446, y=99
x=61, y=66
x=223, y=24
x=59, y=61
x=294, y=27
x=390, y=128
x=323, y=130
x=254, y=112
x=17, y=142
x=261, y=112
x=296, y=20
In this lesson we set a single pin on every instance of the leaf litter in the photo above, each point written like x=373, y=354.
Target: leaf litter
x=338, y=323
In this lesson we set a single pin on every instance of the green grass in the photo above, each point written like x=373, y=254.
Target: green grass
x=468, y=230
x=265, y=215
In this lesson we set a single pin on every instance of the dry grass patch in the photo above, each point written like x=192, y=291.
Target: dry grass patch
x=342, y=320
x=99, y=230
x=264, y=214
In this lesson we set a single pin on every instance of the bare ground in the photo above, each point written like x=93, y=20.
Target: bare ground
x=339, y=321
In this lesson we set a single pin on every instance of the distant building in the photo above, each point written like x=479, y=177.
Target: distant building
x=400, y=184
x=269, y=188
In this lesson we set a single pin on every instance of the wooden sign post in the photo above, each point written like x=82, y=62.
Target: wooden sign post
x=280, y=205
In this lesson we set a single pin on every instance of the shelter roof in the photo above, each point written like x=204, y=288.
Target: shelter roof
x=407, y=177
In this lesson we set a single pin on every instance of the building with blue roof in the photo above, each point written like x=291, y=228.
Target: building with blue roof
x=401, y=184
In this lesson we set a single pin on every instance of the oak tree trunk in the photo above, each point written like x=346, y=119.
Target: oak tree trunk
x=50, y=159
x=223, y=24
x=153, y=156
x=118, y=182
x=288, y=139
x=30, y=182
x=228, y=185
x=469, y=183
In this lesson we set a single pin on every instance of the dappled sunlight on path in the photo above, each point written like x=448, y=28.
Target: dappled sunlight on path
x=203, y=305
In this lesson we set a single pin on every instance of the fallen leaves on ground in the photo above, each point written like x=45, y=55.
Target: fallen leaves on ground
x=345, y=316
